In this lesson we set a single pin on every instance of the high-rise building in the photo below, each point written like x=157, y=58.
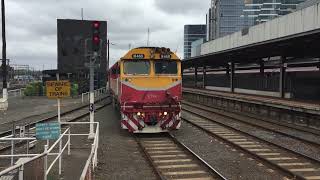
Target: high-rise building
x=229, y=16
x=258, y=11
x=224, y=17
x=307, y=3
x=191, y=34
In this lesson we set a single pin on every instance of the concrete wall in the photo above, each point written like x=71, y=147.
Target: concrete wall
x=297, y=22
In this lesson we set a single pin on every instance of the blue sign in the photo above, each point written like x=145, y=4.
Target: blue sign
x=45, y=131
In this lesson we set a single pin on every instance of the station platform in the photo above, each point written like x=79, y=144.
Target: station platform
x=119, y=156
x=295, y=105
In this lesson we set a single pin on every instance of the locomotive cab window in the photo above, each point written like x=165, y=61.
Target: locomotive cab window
x=138, y=67
x=166, y=67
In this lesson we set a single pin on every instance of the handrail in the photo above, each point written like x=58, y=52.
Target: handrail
x=58, y=140
x=100, y=91
x=92, y=160
x=58, y=156
x=16, y=90
x=9, y=169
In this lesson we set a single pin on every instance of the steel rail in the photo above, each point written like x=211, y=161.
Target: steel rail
x=254, y=137
x=212, y=171
x=259, y=126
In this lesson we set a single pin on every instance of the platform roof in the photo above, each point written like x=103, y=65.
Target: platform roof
x=293, y=35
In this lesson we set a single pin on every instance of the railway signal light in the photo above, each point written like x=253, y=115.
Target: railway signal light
x=96, y=36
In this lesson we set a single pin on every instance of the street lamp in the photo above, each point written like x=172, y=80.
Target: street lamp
x=4, y=57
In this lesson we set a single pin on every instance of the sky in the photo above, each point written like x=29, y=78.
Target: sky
x=32, y=30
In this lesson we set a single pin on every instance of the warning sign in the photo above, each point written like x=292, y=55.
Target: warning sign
x=58, y=89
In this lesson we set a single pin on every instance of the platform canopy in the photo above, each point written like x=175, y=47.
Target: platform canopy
x=294, y=35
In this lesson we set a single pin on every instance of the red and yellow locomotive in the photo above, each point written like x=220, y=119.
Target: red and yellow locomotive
x=146, y=86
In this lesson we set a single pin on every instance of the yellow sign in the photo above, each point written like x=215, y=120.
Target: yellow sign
x=58, y=89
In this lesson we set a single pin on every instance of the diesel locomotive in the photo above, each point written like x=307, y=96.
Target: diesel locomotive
x=145, y=85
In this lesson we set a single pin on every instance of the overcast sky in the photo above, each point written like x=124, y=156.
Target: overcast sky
x=31, y=25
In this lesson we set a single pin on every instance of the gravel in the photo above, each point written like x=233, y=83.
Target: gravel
x=230, y=162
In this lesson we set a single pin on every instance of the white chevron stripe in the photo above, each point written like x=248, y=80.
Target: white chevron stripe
x=178, y=126
x=170, y=123
x=133, y=125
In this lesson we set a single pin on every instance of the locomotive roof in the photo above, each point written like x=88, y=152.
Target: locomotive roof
x=146, y=52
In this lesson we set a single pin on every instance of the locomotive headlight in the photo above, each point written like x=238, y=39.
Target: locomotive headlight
x=165, y=113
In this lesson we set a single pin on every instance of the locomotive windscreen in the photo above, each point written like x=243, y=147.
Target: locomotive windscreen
x=166, y=67
x=137, y=67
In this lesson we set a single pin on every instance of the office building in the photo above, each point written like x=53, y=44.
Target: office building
x=229, y=16
x=307, y=3
x=224, y=17
x=191, y=34
x=259, y=11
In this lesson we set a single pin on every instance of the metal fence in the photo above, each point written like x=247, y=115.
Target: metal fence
x=97, y=93
x=16, y=92
x=87, y=173
x=21, y=171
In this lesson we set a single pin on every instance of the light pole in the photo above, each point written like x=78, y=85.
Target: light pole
x=108, y=58
x=4, y=55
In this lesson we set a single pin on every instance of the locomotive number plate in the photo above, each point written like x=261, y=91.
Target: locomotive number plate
x=165, y=56
x=138, y=56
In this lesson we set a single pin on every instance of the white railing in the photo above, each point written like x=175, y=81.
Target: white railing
x=16, y=92
x=92, y=161
x=90, y=165
x=97, y=93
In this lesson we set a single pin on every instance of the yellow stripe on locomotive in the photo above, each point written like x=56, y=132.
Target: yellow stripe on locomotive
x=151, y=80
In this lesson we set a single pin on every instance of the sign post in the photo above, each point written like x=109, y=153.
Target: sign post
x=55, y=89
x=58, y=89
x=91, y=105
x=58, y=102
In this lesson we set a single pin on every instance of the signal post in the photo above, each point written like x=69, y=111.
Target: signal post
x=96, y=44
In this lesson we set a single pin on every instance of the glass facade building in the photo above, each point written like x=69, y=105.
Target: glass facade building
x=229, y=16
x=258, y=11
x=224, y=17
x=307, y=3
x=191, y=34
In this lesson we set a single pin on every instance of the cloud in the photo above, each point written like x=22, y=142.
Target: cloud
x=31, y=25
x=185, y=7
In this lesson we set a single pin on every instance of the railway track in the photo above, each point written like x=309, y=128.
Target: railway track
x=307, y=137
x=290, y=162
x=69, y=116
x=171, y=159
x=310, y=136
